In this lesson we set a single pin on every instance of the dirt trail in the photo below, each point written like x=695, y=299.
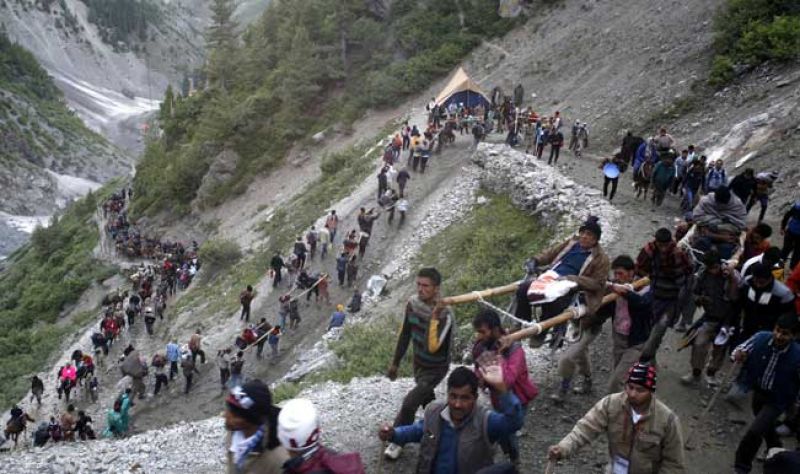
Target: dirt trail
x=423, y=190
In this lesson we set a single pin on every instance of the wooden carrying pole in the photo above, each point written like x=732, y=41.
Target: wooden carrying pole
x=562, y=318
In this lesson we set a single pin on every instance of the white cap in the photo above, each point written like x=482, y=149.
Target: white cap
x=298, y=425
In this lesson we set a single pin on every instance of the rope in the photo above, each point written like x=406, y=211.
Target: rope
x=503, y=312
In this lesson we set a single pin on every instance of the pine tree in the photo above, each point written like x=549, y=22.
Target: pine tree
x=221, y=43
x=168, y=105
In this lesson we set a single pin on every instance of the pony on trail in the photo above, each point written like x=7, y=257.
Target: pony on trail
x=642, y=177
x=16, y=425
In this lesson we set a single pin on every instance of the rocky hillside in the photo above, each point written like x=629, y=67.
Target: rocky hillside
x=590, y=59
x=47, y=155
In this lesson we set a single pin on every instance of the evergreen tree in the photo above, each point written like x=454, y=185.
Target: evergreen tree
x=186, y=85
x=221, y=43
x=168, y=104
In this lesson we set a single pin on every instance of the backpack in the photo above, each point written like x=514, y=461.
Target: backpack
x=311, y=237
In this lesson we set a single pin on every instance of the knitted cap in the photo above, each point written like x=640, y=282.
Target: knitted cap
x=592, y=225
x=251, y=401
x=644, y=374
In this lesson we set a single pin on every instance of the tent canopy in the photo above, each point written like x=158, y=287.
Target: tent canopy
x=462, y=89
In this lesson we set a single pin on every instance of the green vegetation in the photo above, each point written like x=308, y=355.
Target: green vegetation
x=44, y=278
x=303, y=66
x=218, y=254
x=486, y=249
x=31, y=105
x=751, y=32
x=341, y=173
x=120, y=21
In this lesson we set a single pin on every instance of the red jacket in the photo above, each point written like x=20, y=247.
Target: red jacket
x=325, y=461
x=793, y=282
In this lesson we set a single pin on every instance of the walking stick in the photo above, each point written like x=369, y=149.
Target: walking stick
x=381, y=456
x=725, y=382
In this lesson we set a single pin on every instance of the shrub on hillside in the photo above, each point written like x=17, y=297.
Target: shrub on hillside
x=751, y=32
x=218, y=254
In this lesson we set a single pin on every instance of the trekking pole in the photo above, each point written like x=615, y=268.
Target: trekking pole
x=725, y=382
x=381, y=456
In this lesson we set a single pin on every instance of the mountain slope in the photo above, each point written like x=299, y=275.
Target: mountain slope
x=47, y=155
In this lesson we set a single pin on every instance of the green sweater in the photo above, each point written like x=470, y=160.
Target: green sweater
x=430, y=336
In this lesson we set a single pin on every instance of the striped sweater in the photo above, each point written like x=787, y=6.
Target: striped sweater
x=430, y=336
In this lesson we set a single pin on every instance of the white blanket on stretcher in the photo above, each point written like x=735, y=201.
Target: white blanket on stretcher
x=547, y=288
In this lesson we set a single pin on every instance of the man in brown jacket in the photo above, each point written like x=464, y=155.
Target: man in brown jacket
x=252, y=443
x=582, y=260
x=644, y=435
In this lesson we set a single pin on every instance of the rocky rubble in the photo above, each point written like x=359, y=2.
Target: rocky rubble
x=554, y=198
x=184, y=447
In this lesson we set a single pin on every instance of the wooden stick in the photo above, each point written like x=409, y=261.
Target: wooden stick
x=724, y=383
x=476, y=295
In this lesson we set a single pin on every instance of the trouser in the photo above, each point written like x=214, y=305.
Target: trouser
x=202, y=354
x=499, y=468
x=323, y=251
x=762, y=427
x=686, y=304
x=576, y=356
x=173, y=369
x=624, y=357
x=274, y=349
x=539, y=150
x=277, y=278
x=301, y=260
x=426, y=380
x=188, y=382
x=407, y=141
x=245, y=313
x=260, y=347
x=149, y=327
x=131, y=316
x=658, y=195
x=224, y=375
x=510, y=444
x=791, y=245
x=235, y=380
x=340, y=274
x=763, y=200
x=138, y=387
x=613, y=181
x=664, y=313
x=554, y=152
x=676, y=185
x=702, y=343
x=38, y=396
x=381, y=189
x=65, y=388
x=315, y=292
x=402, y=186
x=391, y=214
x=161, y=379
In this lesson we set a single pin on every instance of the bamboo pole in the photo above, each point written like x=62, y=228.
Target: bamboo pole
x=537, y=328
x=476, y=295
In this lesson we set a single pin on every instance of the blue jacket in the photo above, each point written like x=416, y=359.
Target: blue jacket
x=173, y=352
x=781, y=380
x=337, y=320
x=498, y=426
